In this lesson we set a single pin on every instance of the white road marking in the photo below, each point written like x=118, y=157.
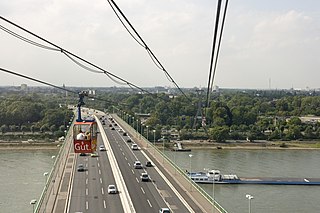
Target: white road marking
x=87, y=191
x=87, y=205
x=125, y=158
x=86, y=180
x=99, y=172
x=101, y=180
x=98, y=164
x=129, y=164
x=142, y=190
x=102, y=191
x=104, y=204
x=149, y=203
x=132, y=171
x=137, y=180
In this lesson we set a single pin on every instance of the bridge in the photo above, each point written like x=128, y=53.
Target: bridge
x=68, y=190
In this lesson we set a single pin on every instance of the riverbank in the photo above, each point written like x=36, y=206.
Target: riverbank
x=30, y=146
x=198, y=144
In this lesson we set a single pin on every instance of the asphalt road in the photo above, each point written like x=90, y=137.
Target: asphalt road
x=89, y=188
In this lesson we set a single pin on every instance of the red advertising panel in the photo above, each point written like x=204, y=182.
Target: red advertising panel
x=82, y=146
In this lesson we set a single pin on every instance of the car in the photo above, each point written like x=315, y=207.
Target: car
x=112, y=189
x=120, y=130
x=103, y=123
x=94, y=154
x=124, y=134
x=134, y=147
x=112, y=128
x=83, y=154
x=80, y=168
x=164, y=210
x=137, y=165
x=110, y=125
x=144, y=177
x=116, y=124
x=148, y=164
x=102, y=148
x=129, y=140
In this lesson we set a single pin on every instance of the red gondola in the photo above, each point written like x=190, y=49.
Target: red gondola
x=84, y=131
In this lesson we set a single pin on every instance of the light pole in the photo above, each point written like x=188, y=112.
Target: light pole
x=162, y=150
x=46, y=176
x=147, y=133
x=32, y=202
x=137, y=127
x=154, y=140
x=190, y=155
x=250, y=197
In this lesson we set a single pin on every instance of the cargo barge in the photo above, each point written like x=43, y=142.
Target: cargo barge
x=214, y=176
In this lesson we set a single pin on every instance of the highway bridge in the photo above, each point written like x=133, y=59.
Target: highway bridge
x=68, y=190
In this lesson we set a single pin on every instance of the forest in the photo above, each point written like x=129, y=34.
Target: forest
x=229, y=114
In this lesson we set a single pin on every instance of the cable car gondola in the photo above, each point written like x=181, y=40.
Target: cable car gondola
x=84, y=131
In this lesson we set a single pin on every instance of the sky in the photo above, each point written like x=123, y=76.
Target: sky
x=272, y=44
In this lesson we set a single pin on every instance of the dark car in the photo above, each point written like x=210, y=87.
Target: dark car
x=129, y=140
x=124, y=134
x=80, y=168
x=112, y=128
x=110, y=125
x=83, y=154
x=148, y=164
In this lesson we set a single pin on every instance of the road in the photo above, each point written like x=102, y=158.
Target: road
x=89, y=188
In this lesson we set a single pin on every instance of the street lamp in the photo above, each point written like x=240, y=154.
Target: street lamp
x=190, y=155
x=250, y=197
x=32, y=202
x=137, y=126
x=154, y=140
x=46, y=175
x=147, y=133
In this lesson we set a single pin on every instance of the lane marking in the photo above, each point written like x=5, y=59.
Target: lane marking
x=137, y=180
x=101, y=180
x=87, y=191
x=87, y=181
x=102, y=191
x=87, y=205
x=149, y=203
x=132, y=171
x=98, y=164
x=104, y=204
x=142, y=190
x=126, y=158
x=99, y=172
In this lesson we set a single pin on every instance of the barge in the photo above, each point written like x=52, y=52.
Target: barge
x=214, y=176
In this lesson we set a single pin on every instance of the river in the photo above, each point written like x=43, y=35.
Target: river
x=22, y=178
x=259, y=163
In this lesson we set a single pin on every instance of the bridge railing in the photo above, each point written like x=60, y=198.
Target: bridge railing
x=178, y=169
x=49, y=186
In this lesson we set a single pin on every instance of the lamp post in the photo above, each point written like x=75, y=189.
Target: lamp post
x=137, y=127
x=190, y=155
x=46, y=176
x=32, y=202
x=249, y=197
x=147, y=133
x=154, y=140
x=162, y=150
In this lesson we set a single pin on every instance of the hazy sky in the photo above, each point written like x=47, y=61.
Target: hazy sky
x=274, y=43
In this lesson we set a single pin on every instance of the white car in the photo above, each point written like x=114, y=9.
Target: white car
x=164, y=210
x=112, y=189
x=102, y=148
x=137, y=165
x=134, y=146
x=144, y=177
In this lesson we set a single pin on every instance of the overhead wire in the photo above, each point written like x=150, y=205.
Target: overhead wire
x=52, y=85
x=219, y=44
x=68, y=53
x=213, y=49
x=151, y=54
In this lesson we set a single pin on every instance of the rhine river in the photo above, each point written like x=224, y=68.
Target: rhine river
x=22, y=178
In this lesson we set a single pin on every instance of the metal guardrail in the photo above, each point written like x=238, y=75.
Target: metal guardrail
x=43, y=200
x=195, y=185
